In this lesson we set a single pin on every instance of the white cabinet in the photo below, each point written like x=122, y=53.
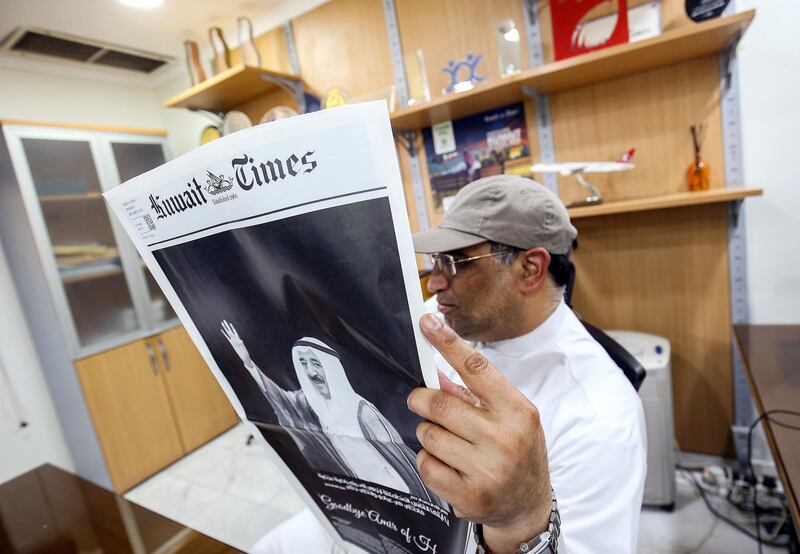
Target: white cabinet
x=81, y=283
x=102, y=293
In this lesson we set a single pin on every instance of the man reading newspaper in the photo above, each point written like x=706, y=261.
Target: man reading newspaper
x=286, y=253
x=532, y=400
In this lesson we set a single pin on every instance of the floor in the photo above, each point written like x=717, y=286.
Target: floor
x=230, y=491
x=226, y=489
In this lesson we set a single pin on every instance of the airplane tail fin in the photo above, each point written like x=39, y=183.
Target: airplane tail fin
x=627, y=156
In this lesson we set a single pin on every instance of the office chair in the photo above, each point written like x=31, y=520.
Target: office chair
x=630, y=366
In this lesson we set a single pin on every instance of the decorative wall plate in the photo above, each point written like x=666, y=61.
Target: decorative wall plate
x=235, y=121
x=700, y=10
x=278, y=112
x=209, y=133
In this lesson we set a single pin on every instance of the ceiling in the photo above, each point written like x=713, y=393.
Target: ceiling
x=159, y=30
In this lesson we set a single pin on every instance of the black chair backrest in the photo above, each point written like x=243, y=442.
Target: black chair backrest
x=630, y=366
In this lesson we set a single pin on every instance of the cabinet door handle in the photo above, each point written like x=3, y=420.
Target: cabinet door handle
x=152, y=356
x=164, y=355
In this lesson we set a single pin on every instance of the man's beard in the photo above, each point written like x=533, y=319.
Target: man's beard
x=468, y=328
x=491, y=327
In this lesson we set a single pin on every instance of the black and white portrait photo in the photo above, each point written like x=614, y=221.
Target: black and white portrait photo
x=335, y=429
x=308, y=320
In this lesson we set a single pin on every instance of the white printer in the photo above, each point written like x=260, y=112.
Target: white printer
x=653, y=353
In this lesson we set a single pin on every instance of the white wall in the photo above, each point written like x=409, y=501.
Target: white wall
x=41, y=97
x=24, y=394
x=183, y=126
x=58, y=98
x=769, y=62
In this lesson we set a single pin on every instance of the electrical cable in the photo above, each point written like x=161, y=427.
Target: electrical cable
x=725, y=518
x=765, y=416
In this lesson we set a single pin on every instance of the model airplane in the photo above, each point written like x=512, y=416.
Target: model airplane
x=576, y=168
x=579, y=168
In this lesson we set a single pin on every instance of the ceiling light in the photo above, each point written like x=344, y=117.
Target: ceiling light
x=142, y=3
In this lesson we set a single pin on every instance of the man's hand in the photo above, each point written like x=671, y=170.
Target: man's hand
x=483, y=449
x=238, y=344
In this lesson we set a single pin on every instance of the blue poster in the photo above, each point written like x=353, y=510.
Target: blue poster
x=480, y=146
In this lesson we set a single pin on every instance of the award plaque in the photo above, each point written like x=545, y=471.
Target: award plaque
x=572, y=33
x=508, y=48
x=278, y=112
x=196, y=72
x=463, y=74
x=250, y=54
x=335, y=97
x=417, y=78
x=222, y=55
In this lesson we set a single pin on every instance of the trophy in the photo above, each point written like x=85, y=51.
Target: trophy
x=250, y=55
x=335, y=97
x=417, y=78
x=222, y=56
x=196, y=73
x=459, y=80
x=508, y=48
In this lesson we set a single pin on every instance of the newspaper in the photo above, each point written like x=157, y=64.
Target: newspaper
x=286, y=252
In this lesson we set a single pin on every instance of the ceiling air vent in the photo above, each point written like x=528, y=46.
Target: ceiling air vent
x=77, y=49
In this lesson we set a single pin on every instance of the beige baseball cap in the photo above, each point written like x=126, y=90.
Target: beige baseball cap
x=505, y=209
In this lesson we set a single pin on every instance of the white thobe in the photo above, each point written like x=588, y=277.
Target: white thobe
x=594, y=429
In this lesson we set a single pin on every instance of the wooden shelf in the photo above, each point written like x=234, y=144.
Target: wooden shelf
x=90, y=274
x=70, y=197
x=663, y=202
x=229, y=89
x=670, y=47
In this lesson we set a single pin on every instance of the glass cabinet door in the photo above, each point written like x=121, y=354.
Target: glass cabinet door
x=133, y=159
x=76, y=221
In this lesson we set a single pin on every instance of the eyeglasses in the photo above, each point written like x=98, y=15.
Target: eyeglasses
x=447, y=263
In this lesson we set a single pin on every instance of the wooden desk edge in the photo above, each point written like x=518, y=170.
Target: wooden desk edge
x=791, y=497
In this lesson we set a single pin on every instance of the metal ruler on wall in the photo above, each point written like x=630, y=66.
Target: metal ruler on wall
x=294, y=62
x=401, y=88
x=291, y=48
x=730, y=108
x=544, y=123
x=737, y=245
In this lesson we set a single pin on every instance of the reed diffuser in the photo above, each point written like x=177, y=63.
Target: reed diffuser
x=698, y=172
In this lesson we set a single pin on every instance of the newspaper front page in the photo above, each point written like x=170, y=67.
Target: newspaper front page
x=286, y=252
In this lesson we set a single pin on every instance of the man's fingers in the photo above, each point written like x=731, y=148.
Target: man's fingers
x=480, y=376
x=460, y=391
x=451, y=412
x=447, y=447
x=439, y=477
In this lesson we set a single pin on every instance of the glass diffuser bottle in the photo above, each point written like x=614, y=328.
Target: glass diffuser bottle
x=698, y=173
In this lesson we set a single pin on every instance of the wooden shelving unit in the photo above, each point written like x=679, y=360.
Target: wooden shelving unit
x=230, y=89
x=713, y=196
x=668, y=48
